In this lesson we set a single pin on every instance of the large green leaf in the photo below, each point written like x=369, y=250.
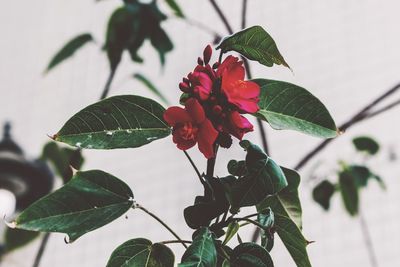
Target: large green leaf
x=263, y=178
x=140, y=252
x=151, y=87
x=16, y=238
x=267, y=218
x=69, y=49
x=255, y=44
x=116, y=122
x=349, y=191
x=250, y=255
x=286, y=106
x=89, y=201
x=366, y=144
x=201, y=252
x=322, y=193
x=287, y=213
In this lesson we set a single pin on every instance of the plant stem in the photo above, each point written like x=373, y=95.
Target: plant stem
x=250, y=221
x=356, y=118
x=244, y=13
x=222, y=16
x=41, y=250
x=368, y=240
x=108, y=83
x=175, y=241
x=194, y=167
x=211, y=163
x=161, y=222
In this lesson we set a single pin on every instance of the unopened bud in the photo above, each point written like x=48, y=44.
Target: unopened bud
x=184, y=87
x=216, y=65
x=217, y=109
x=200, y=61
x=186, y=80
x=207, y=54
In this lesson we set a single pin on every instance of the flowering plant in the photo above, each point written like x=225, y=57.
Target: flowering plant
x=216, y=97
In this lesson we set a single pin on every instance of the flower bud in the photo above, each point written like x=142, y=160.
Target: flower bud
x=217, y=109
x=216, y=65
x=200, y=61
x=207, y=54
x=184, y=87
x=186, y=80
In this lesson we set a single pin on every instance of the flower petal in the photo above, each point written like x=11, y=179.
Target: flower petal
x=195, y=110
x=206, y=139
x=174, y=115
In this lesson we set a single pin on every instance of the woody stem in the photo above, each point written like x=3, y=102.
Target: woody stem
x=211, y=163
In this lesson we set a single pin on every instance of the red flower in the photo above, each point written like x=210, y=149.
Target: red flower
x=239, y=125
x=190, y=126
x=243, y=94
x=201, y=82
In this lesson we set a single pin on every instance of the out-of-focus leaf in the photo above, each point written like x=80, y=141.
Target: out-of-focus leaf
x=366, y=144
x=286, y=106
x=349, y=191
x=233, y=227
x=141, y=252
x=175, y=7
x=63, y=158
x=16, y=238
x=124, y=121
x=151, y=87
x=255, y=44
x=89, y=201
x=201, y=252
x=250, y=255
x=323, y=193
x=69, y=49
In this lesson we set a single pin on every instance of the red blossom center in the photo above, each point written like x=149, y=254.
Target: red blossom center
x=187, y=131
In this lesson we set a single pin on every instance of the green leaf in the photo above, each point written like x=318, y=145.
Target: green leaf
x=349, y=191
x=151, y=87
x=264, y=177
x=16, y=238
x=250, y=255
x=201, y=252
x=161, y=42
x=286, y=106
x=124, y=121
x=237, y=168
x=287, y=213
x=233, y=227
x=69, y=49
x=255, y=44
x=366, y=144
x=63, y=158
x=174, y=6
x=89, y=201
x=140, y=252
x=323, y=193
x=266, y=218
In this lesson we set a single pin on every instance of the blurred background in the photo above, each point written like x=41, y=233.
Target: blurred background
x=345, y=52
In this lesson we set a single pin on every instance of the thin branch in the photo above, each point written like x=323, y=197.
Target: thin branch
x=175, y=241
x=194, y=166
x=211, y=163
x=356, y=118
x=250, y=221
x=368, y=240
x=222, y=16
x=202, y=26
x=161, y=222
x=244, y=13
x=381, y=110
x=41, y=250
x=108, y=84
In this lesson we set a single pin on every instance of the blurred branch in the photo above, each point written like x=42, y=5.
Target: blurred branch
x=359, y=116
x=367, y=240
x=222, y=16
x=41, y=250
x=108, y=84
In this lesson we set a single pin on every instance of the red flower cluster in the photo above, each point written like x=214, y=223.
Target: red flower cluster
x=215, y=99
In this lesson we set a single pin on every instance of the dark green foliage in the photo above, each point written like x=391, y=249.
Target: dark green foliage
x=366, y=144
x=89, y=201
x=175, y=7
x=202, y=252
x=69, y=49
x=116, y=122
x=255, y=44
x=250, y=255
x=140, y=252
x=349, y=191
x=286, y=106
x=128, y=28
x=267, y=219
x=323, y=193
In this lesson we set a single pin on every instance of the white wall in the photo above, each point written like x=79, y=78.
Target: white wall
x=345, y=52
